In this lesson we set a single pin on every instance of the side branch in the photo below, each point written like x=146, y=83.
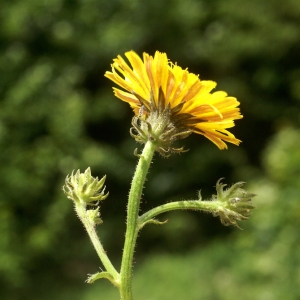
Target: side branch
x=207, y=206
x=231, y=205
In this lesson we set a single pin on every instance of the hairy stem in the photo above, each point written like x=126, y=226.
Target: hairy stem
x=208, y=206
x=132, y=219
x=91, y=230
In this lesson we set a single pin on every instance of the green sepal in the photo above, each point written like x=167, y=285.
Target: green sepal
x=93, y=277
x=152, y=221
x=94, y=215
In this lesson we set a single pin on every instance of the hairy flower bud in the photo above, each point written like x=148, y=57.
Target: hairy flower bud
x=84, y=188
x=235, y=204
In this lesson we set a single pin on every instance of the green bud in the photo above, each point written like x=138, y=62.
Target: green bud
x=84, y=188
x=235, y=204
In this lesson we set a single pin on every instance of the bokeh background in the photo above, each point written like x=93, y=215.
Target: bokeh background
x=58, y=113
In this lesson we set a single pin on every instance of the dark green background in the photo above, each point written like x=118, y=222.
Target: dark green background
x=58, y=113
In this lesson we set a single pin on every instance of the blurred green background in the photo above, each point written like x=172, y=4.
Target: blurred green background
x=58, y=113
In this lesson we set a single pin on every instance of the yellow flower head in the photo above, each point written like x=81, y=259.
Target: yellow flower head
x=157, y=89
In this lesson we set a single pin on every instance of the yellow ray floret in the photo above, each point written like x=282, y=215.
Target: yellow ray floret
x=145, y=78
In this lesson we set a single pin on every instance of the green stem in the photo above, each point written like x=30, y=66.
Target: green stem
x=132, y=219
x=208, y=206
x=91, y=230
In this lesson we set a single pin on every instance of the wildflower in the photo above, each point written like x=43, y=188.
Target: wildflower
x=170, y=103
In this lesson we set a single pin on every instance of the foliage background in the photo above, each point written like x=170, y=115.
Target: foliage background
x=58, y=113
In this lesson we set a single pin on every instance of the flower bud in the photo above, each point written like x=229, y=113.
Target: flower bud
x=235, y=204
x=84, y=188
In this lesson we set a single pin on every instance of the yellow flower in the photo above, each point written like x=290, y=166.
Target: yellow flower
x=155, y=84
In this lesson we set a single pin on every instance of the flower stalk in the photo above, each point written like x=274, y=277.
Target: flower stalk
x=132, y=219
x=89, y=225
